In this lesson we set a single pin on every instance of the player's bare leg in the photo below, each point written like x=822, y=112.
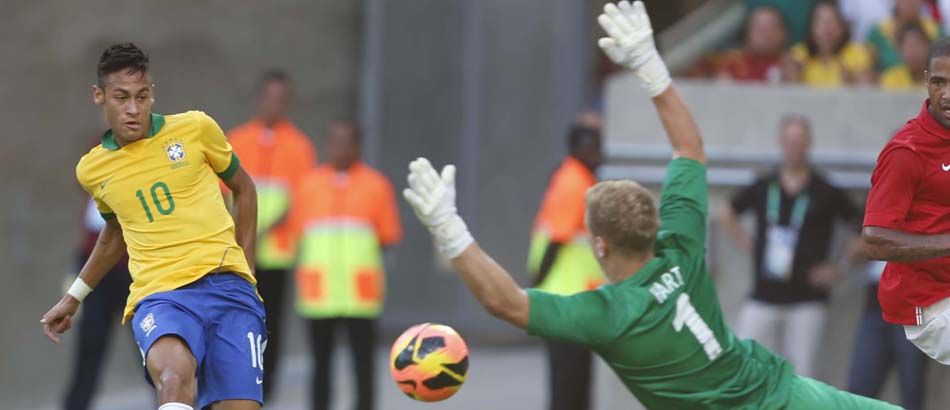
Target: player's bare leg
x=172, y=368
x=236, y=405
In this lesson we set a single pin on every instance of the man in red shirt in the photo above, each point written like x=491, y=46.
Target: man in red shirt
x=908, y=217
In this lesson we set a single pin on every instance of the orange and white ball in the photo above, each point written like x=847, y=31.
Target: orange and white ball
x=429, y=362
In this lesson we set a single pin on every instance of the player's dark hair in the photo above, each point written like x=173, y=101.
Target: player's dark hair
x=118, y=57
x=272, y=75
x=578, y=134
x=940, y=48
x=811, y=43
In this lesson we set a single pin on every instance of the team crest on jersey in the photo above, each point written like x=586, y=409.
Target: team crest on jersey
x=175, y=151
x=148, y=324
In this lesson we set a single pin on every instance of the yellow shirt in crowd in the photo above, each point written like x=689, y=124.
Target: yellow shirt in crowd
x=851, y=60
x=899, y=78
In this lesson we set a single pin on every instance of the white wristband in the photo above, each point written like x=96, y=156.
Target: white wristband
x=654, y=75
x=452, y=237
x=79, y=289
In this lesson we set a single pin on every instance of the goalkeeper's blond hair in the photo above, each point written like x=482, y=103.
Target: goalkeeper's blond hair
x=624, y=213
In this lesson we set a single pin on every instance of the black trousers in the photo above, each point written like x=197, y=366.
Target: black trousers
x=100, y=310
x=272, y=284
x=361, y=334
x=569, y=376
x=880, y=347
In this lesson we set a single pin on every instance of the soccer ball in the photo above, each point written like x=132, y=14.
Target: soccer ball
x=429, y=362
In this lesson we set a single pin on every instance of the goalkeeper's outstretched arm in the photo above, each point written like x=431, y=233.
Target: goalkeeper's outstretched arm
x=432, y=197
x=491, y=284
x=629, y=43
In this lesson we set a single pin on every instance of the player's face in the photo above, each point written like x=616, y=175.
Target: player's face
x=126, y=100
x=273, y=102
x=938, y=89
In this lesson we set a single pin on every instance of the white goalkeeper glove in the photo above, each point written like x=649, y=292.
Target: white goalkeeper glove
x=630, y=44
x=432, y=197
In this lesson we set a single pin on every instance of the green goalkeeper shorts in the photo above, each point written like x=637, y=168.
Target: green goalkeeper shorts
x=810, y=394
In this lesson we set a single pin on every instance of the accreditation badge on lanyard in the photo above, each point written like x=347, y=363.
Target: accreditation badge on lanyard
x=780, y=241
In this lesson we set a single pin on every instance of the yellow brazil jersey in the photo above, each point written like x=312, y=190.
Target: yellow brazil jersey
x=163, y=190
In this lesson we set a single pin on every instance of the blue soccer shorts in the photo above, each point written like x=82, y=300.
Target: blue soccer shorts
x=221, y=319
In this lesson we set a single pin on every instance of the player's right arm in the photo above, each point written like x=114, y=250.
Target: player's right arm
x=630, y=43
x=897, y=246
x=108, y=250
x=432, y=197
x=893, y=187
x=576, y=319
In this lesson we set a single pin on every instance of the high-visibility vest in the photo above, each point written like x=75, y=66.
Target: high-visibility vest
x=561, y=219
x=343, y=220
x=275, y=158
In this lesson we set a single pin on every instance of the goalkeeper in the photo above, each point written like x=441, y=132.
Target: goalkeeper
x=658, y=323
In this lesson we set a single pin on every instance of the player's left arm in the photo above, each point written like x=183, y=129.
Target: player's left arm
x=432, y=197
x=244, y=195
x=629, y=43
x=225, y=163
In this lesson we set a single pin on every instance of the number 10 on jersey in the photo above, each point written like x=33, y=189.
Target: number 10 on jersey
x=164, y=209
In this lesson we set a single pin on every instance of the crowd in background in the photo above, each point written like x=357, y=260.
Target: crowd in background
x=827, y=44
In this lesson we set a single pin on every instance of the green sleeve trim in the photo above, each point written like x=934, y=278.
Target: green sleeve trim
x=107, y=215
x=231, y=169
x=688, y=162
x=535, y=314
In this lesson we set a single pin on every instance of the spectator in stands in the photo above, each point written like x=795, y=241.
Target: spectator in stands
x=913, y=44
x=883, y=37
x=99, y=311
x=828, y=57
x=795, y=209
x=760, y=57
x=863, y=15
x=879, y=347
x=794, y=13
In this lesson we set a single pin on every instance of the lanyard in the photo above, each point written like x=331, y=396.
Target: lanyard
x=799, y=209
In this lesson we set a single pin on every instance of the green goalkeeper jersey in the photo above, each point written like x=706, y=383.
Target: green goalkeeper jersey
x=662, y=329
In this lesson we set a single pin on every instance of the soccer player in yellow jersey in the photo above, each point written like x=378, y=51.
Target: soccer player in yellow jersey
x=193, y=304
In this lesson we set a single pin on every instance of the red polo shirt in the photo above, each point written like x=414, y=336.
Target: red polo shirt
x=909, y=192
